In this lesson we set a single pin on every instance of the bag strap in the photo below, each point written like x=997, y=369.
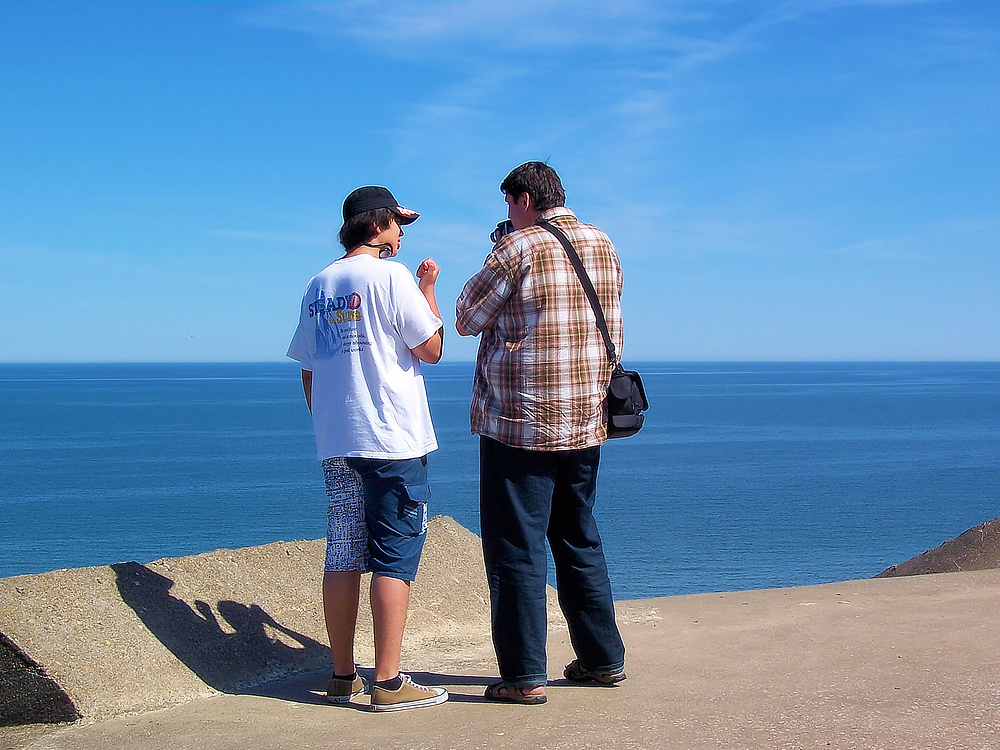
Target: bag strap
x=588, y=287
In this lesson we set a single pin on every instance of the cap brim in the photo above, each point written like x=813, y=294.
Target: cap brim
x=405, y=215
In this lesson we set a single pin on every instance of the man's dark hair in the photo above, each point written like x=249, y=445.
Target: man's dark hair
x=538, y=180
x=364, y=226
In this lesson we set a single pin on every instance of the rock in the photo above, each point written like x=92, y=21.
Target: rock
x=976, y=549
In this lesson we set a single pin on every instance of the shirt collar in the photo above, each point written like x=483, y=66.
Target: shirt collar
x=559, y=212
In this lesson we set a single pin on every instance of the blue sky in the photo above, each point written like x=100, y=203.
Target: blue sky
x=784, y=180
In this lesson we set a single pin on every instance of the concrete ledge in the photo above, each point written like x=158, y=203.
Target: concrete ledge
x=127, y=638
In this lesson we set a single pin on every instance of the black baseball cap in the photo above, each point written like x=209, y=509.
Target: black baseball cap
x=370, y=197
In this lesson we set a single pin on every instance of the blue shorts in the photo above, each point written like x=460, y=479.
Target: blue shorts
x=396, y=494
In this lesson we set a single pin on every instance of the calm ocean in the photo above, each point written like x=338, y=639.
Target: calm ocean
x=745, y=476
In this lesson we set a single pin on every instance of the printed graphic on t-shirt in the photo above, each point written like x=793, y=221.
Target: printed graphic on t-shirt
x=337, y=321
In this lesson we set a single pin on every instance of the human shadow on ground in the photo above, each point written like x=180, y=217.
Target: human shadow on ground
x=232, y=660
x=475, y=695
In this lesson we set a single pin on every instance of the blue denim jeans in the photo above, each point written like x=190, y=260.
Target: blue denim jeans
x=525, y=497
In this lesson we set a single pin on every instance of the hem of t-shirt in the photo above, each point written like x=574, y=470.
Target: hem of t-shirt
x=383, y=455
x=597, y=442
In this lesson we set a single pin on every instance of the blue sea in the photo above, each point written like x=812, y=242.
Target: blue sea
x=745, y=476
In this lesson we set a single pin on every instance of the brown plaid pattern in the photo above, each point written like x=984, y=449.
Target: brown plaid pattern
x=542, y=371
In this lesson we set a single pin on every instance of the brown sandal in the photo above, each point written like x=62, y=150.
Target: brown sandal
x=502, y=693
x=576, y=672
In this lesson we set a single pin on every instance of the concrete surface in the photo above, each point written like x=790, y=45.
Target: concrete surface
x=225, y=650
x=889, y=663
x=129, y=637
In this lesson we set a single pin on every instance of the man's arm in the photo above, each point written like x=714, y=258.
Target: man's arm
x=483, y=298
x=307, y=388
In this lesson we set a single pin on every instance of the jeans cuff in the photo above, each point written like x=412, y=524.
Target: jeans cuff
x=528, y=681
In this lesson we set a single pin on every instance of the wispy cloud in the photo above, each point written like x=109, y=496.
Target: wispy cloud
x=37, y=255
x=502, y=73
x=510, y=25
x=306, y=239
x=928, y=242
x=941, y=36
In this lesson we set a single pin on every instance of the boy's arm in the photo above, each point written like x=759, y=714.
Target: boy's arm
x=430, y=350
x=307, y=388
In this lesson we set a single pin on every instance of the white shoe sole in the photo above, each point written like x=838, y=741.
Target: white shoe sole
x=338, y=699
x=434, y=700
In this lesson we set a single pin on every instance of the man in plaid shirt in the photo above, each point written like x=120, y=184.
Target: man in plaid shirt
x=538, y=405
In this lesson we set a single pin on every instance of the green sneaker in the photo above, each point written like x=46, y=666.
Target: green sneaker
x=342, y=691
x=409, y=695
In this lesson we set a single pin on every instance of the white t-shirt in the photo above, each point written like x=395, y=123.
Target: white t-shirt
x=360, y=317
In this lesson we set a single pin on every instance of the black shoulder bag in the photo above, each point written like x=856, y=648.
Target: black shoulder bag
x=626, y=396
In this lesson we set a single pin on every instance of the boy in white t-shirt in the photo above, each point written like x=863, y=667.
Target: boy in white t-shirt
x=364, y=327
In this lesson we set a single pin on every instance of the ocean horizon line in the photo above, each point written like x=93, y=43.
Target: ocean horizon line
x=292, y=364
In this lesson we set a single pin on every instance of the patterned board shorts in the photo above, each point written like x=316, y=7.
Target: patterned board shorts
x=347, y=529
x=396, y=494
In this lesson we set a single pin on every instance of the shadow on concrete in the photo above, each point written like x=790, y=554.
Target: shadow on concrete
x=470, y=690
x=27, y=694
x=311, y=688
x=231, y=659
